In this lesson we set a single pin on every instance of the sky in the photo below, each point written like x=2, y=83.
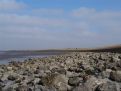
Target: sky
x=50, y=24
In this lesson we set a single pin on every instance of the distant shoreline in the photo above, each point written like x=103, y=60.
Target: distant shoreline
x=20, y=53
x=116, y=48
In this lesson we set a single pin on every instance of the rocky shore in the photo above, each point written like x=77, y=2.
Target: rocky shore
x=79, y=71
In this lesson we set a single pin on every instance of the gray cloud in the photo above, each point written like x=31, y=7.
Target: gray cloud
x=83, y=11
x=83, y=27
x=29, y=20
x=106, y=22
x=6, y=5
x=44, y=11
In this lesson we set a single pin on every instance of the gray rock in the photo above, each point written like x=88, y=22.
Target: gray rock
x=92, y=83
x=12, y=77
x=9, y=89
x=80, y=88
x=84, y=71
x=43, y=88
x=116, y=76
x=106, y=74
x=36, y=80
x=4, y=77
x=58, y=70
x=119, y=63
x=1, y=88
x=74, y=81
x=23, y=88
x=109, y=86
x=2, y=84
x=10, y=86
x=58, y=81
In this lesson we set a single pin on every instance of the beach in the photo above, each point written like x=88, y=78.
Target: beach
x=74, y=71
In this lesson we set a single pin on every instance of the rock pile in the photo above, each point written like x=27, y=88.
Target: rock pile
x=84, y=71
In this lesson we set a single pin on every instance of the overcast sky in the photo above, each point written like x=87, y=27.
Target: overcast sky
x=46, y=24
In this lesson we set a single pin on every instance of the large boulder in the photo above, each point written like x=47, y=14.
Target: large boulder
x=58, y=70
x=58, y=81
x=23, y=88
x=92, y=83
x=115, y=76
x=12, y=77
x=80, y=88
x=74, y=81
x=106, y=73
x=8, y=89
x=108, y=86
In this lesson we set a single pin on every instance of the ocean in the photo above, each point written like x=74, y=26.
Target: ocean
x=7, y=56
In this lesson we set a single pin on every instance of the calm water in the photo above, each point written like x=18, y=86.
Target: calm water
x=6, y=57
x=21, y=59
